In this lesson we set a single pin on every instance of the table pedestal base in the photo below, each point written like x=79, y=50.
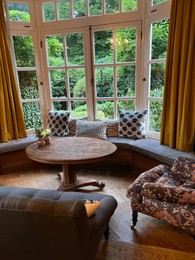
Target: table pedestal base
x=69, y=180
x=76, y=186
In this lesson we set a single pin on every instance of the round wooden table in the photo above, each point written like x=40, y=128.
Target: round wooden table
x=70, y=151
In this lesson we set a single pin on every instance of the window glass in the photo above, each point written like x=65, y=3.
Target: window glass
x=60, y=105
x=58, y=83
x=157, y=79
x=79, y=8
x=19, y=12
x=112, y=6
x=24, y=51
x=74, y=46
x=77, y=82
x=104, y=81
x=103, y=41
x=155, y=2
x=155, y=115
x=128, y=105
x=28, y=84
x=49, y=13
x=55, y=50
x=63, y=8
x=129, y=5
x=125, y=81
x=78, y=109
x=126, y=44
x=105, y=109
x=32, y=115
x=159, y=39
x=95, y=7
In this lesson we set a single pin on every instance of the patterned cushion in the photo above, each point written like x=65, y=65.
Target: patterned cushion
x=132, y=124
x=91, y=129
x=58, y=122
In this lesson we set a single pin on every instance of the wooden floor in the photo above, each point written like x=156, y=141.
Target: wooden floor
x=149, y=231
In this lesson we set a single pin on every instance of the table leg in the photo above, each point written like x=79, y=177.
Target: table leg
x=69, y=180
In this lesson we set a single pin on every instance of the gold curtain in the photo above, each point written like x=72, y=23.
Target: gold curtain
x=178, y=116
x=12, y=124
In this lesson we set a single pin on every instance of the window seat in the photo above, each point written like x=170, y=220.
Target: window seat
x=140, y=153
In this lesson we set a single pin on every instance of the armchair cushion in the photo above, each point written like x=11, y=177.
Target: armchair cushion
x=169, y=193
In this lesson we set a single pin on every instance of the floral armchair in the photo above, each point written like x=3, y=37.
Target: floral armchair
x=166, y=193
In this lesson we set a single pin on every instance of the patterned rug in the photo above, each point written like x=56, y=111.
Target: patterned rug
x=116, y=250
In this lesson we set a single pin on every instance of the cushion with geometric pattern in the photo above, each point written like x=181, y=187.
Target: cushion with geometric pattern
x=132, y=124
x=57, y=122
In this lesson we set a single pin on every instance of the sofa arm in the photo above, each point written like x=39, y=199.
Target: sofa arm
x=175, y=194
x=148, y=176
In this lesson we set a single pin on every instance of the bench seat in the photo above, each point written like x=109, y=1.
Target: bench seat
x=140, y=153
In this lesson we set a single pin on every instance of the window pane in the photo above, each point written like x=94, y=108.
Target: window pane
x=128, y=105
x=103, y=46
x=49, y=13
x=104, y=81
x=63, y=9
x=23, y=46
x=155, y=115
x=159, y=39
x=32, y=115
x=155, y=2
x=78, y=109
x=74, y=46
x=79, y=8
x=28, y=84
x=19, y=12
x=60, y=105
x=77, y=82
x=58, y=83
x=55, y=50
x=112, y=6
x=125, y=81
x=126, y=44
x=95, y=7
x=157, y=79
x=105, y=110
x=129, y=5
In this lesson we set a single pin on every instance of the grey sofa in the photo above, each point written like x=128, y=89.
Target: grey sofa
x=46, y=224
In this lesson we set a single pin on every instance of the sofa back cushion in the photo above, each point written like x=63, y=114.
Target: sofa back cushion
x=184, y=168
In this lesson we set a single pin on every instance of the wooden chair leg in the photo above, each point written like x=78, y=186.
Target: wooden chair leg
x=134, y=218
x=106, y=232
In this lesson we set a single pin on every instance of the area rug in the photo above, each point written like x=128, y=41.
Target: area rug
x=117, y=250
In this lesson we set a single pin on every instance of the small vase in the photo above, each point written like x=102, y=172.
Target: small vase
x=47, y=140
x=40, y=142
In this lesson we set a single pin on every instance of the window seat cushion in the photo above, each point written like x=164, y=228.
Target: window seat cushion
x=148, y=147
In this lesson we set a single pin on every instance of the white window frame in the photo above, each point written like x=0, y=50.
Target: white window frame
x=151, y=18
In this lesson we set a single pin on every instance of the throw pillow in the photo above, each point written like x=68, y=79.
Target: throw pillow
x=58, y=122
x=91, y=206
x=91, y=129
x=132, y=124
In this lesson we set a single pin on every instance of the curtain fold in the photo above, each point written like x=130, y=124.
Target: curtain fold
x=12, y=125
x=178, y=115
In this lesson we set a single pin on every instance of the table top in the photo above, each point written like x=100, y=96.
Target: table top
x=71, y=150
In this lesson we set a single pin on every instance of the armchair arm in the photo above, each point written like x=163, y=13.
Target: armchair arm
x=175, y=194
x=148, y=176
